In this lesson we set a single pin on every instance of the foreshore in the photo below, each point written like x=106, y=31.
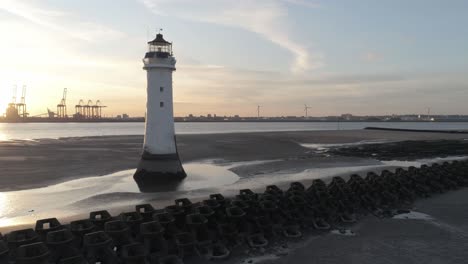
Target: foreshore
x=38, y=163
x=435, y=230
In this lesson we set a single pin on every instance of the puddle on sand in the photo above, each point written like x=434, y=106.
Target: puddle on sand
x=343, y=232
x=324, y=147
x=413, y=215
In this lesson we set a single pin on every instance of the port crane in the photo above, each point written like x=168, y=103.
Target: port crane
x=62, y=106
x=89, y=111
x=79, y=108
x=21, y=106
x=97, y=109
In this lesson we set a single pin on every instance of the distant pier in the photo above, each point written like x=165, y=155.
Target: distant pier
x=418, y=130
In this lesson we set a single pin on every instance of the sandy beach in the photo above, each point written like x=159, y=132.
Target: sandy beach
x=56, y=160
x=432, y=232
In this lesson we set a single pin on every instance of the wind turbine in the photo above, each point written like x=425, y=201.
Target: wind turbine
x=305, y=109
x=258, y=111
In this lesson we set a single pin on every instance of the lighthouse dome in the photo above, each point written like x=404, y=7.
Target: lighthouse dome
x=159, y=47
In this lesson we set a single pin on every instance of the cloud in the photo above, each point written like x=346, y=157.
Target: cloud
x=200, y=89
x=268, y=18
x=59, y=21
x=202, y=83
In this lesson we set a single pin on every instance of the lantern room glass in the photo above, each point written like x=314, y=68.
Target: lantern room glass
x=160, y=48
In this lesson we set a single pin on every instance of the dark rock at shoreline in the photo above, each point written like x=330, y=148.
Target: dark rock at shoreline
x=406, y=150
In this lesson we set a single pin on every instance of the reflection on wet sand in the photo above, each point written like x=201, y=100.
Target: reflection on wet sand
x=199, y=176
x=113, y=190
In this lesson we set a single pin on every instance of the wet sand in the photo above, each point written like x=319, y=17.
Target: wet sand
x=32, y=164
x=436, y=231
x=438, y=234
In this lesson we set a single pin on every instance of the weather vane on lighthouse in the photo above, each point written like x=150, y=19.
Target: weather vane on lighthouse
x=160, y=163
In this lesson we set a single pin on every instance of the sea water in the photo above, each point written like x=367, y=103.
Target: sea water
x=25, y=131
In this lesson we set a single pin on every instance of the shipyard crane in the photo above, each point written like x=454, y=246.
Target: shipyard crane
x=21, y=106
x=79, y=109
x=89, y=110
x=50, y=113
x=306, y=108
x=23, y=95
x=97, y=109
x=62, y=106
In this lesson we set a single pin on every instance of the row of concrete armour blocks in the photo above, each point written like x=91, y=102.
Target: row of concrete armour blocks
x=215, y=227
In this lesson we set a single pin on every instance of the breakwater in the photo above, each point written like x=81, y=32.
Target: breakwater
x=216, y=227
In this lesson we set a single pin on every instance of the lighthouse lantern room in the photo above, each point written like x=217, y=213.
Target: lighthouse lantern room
x=159, y=47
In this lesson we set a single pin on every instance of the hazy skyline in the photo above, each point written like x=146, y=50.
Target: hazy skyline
x=359, y=57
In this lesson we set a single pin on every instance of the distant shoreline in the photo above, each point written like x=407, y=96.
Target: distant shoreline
x=227, y=121
x=418, y=130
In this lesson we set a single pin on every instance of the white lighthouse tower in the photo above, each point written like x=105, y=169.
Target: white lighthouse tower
x=160, y=161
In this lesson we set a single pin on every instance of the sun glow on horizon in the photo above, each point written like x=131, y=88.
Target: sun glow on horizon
x=288, y=61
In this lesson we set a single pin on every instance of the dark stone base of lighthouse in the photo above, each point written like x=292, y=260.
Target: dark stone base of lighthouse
x=159, y=172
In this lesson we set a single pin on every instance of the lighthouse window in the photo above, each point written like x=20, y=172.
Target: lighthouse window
x=161, y=104
x=161, y=89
